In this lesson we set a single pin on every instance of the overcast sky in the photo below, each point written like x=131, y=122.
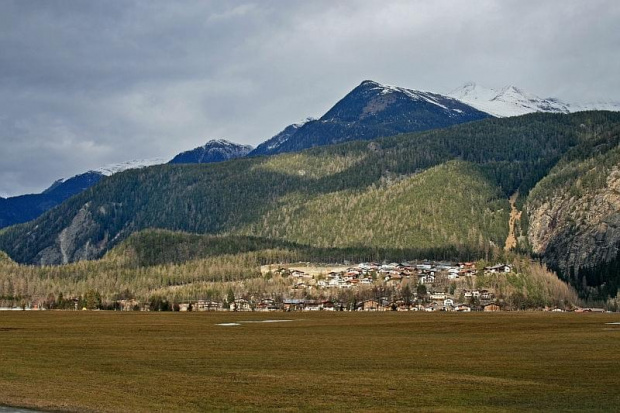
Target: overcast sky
x=87, y=83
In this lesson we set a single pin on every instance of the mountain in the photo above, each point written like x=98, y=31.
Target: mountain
x=399, y=192
x=24, y=208
x=213, y=151
x=369, y=111
x=513, y=101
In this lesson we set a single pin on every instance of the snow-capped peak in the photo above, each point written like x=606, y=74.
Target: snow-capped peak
x=113, y=168
x=508, y=101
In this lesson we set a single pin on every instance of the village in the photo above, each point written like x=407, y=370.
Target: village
x=426, y=286
x=423, y=286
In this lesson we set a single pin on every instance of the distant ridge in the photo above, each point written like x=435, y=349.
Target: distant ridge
x=217, y=150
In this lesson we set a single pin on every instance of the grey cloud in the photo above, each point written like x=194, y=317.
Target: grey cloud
x=90, y=83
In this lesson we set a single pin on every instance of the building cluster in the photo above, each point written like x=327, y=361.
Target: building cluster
x=411, y=286
x=374, y=274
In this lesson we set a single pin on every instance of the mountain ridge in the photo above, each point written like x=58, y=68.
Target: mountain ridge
x=369, y=111
x=215, y=150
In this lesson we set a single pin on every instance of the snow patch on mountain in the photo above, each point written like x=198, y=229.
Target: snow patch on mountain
x=417, y=95
x=113, y=168
x=513, y=101
x=508, y=101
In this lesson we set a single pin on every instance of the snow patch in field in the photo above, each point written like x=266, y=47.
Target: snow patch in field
x=252, y=322
x=266, y=321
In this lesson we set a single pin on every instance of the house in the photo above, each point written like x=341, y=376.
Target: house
x=370, y=305
x=267, y=305
x=240, y=305
x=438, y=296
x=293, y=305
x=486, y=295
x=462, y=308
x=472, y=294
x=500, y=268
x=312, y=305
x=299, y=274
x=334, y=282
x=448, y=302
x=205, y=305
x=426, y=279
x=492, y=308
x=432, y=307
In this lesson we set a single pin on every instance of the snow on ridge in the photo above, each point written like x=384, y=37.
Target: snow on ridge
x=303, y=122
x=411, y=93
x=508, y=101
x=219, y=143
x=225, y=142
x=113, y=168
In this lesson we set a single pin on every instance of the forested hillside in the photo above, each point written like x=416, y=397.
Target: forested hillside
x=393, y=193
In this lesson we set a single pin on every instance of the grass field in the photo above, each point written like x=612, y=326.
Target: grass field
x=139, y=362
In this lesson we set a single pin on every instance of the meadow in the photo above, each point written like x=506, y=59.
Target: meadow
x=146, y=362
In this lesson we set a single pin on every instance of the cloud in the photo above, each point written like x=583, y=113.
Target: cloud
x=90, y=83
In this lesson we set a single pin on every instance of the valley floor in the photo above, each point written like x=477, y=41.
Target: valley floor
x=105, y=361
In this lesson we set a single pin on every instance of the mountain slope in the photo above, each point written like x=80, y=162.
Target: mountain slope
x=278, y=140
x=213, y=151
x=24, y=208
x=369, y=111
x=244, y=195
x=400, y=212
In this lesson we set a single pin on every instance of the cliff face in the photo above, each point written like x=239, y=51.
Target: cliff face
x=577, y=224
x=72, y=243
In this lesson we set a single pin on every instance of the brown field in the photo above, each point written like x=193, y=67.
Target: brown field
x=144, y=362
